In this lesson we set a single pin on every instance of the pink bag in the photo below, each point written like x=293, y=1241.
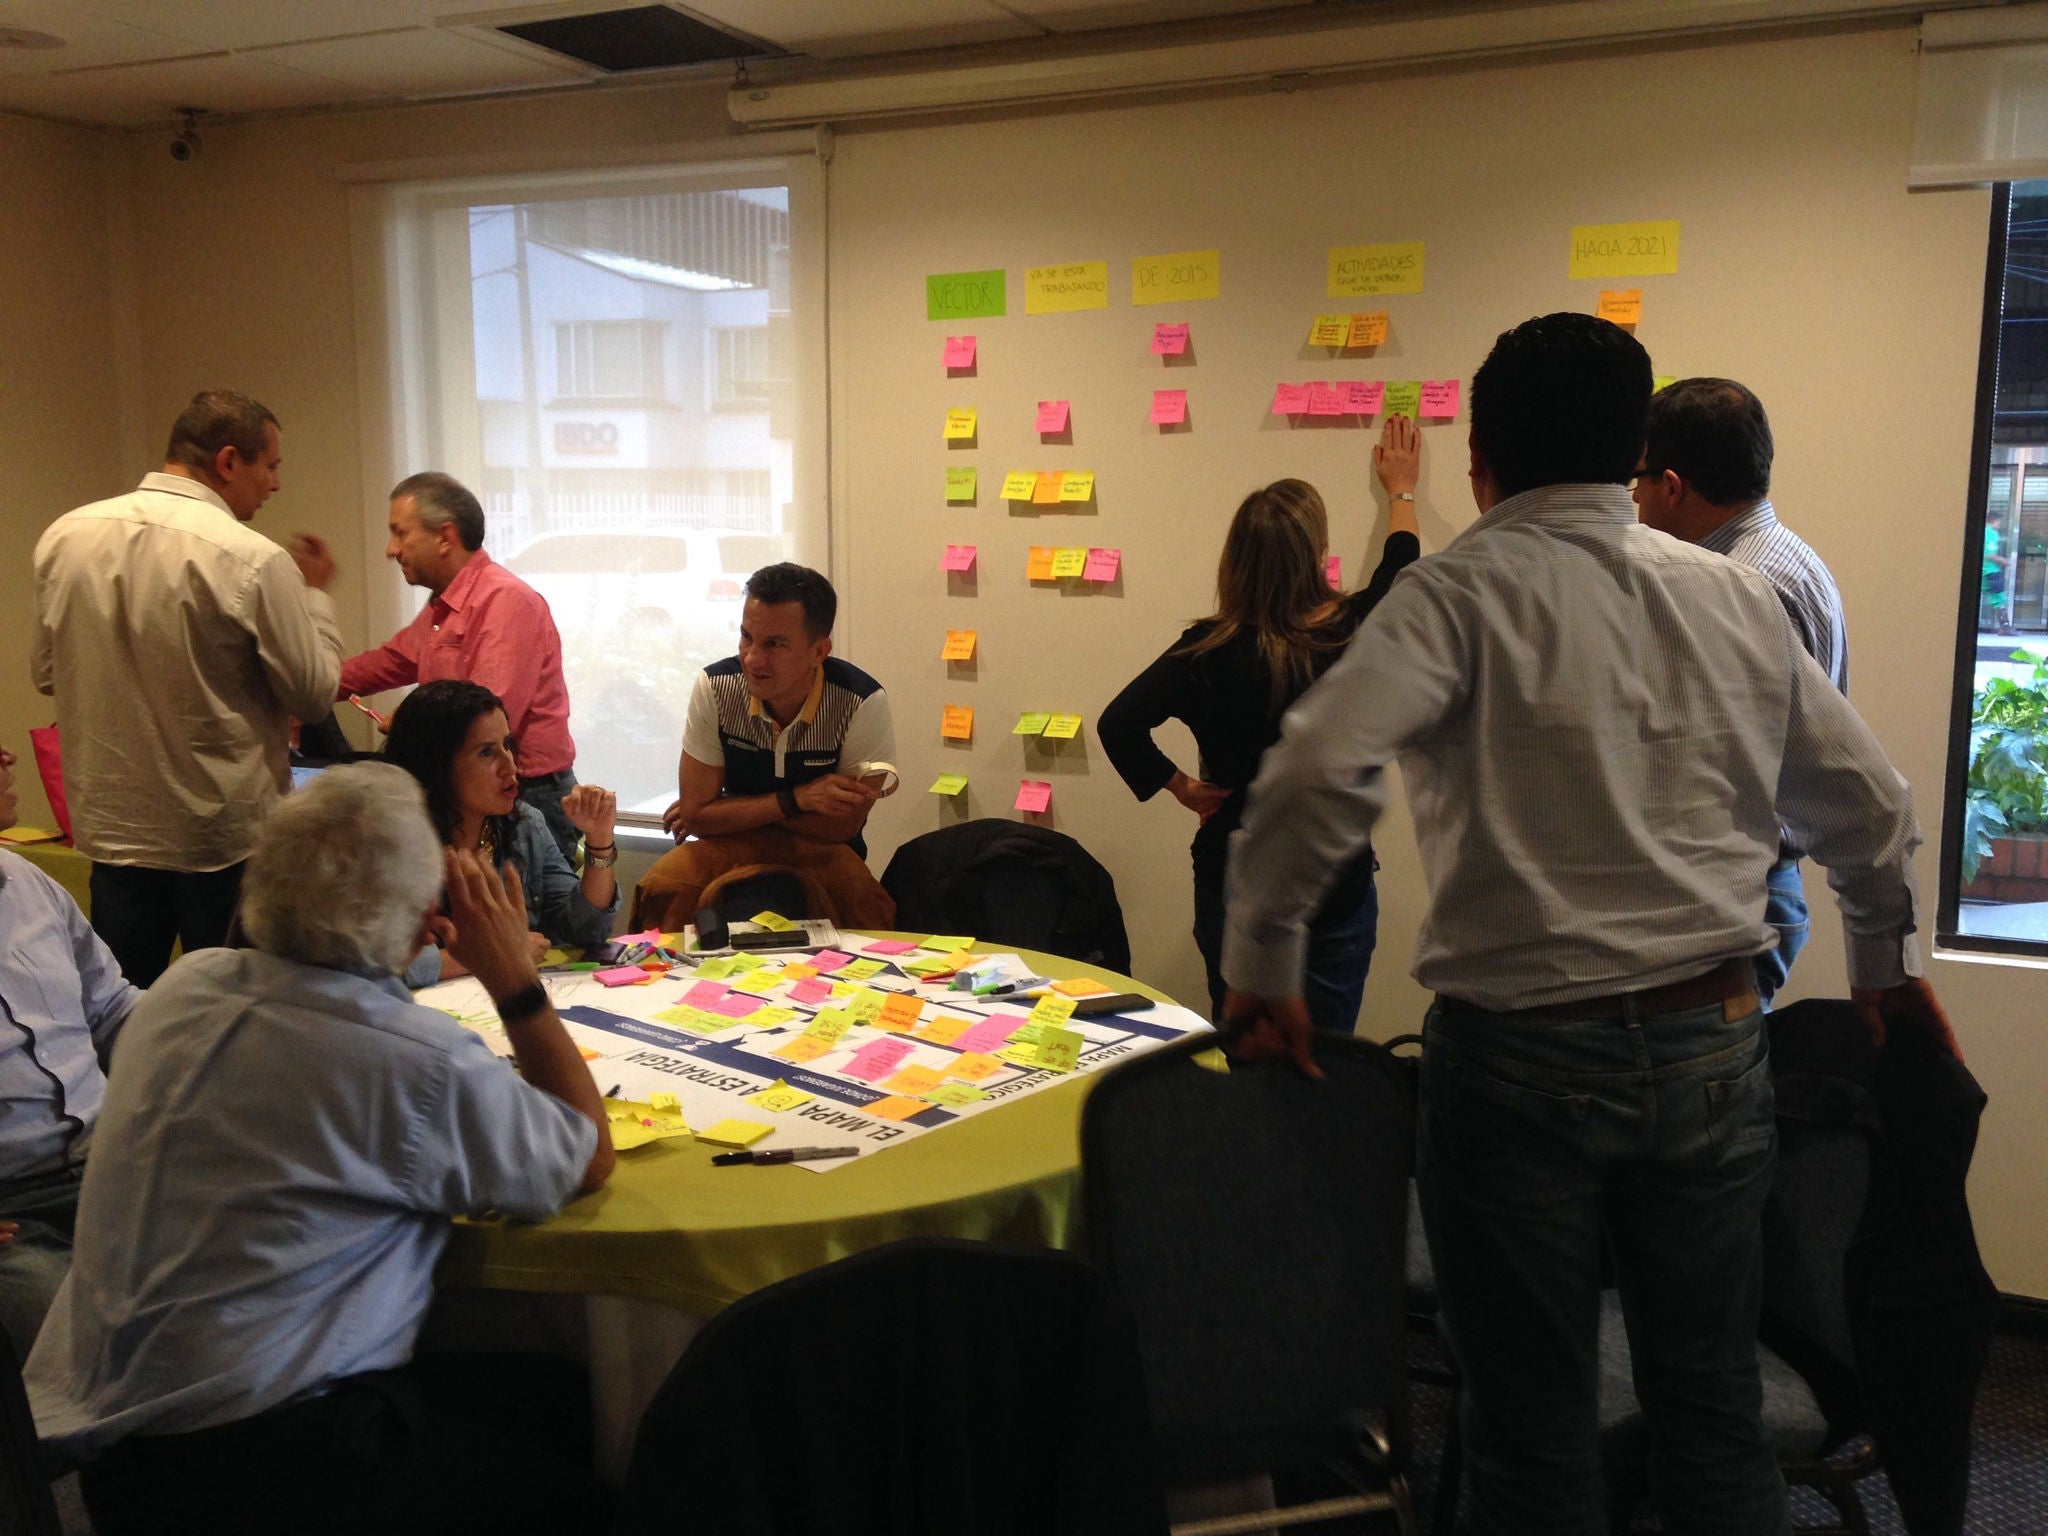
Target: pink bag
x=50, y=763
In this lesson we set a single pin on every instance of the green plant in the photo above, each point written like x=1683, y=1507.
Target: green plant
x=2007, y=790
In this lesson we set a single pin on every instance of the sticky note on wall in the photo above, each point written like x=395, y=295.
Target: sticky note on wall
x=1052, y=416
x=1069, y=562
x=1066, y=286
x=949, y=784
x=1439, y=398
x=1077, y=484
x=1367, y=330
x=1038, y=565
x=1031, y=723
x=960, y=483
x=1325, y=400
x=1169, y=407
x=1624, y=306
x=958, y=557
x=1362, y=397
x=1062, y=727
x=1175, y=276
x=1047, y=492
x=960, y=425
x=1018, y=484
x=1641, y=249
x=1034, y=795
x=1403, y=397
x=1290, y=399
x=1365, y=271
x=959, y=351
x=1103, y=565
x=957, y=723
x=959, y=645
x=1333, y=569
x=1170, y=340
x=964, y=295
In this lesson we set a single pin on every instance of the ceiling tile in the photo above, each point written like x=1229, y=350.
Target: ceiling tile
x=236, y=24
x=835, y=29
x=427, y=62
x=90, y=38
x=142, y=96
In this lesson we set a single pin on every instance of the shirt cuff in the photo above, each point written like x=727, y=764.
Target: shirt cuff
x=1877, y=961
x=1265, y=967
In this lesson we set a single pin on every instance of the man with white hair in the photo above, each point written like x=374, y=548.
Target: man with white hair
x=275, y=1167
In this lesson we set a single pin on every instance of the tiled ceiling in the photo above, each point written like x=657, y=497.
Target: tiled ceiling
x=133, y=63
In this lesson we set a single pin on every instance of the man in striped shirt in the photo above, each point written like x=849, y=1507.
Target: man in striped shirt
x=1706, y=478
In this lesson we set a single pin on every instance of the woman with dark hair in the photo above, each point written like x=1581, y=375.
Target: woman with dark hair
x=1230, y=677
x=452, y=737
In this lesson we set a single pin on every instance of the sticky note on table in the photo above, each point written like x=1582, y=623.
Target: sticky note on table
x=957, y=723
x=1034, y=795
x=888, y=947
x=958, y=557
x=1369, y=330
x=949, y=784
x=1290, y=399
x=1063, y=727
x=1052, y=1009
x=1624, y=250
x=1103, y=564
x=803, y=1048
x=1052, y=416
x=960, y=425
x=1059, y=1050
x=1365, y=271
x=861, y=970
x=961, y=483
x=1038, y=565
x=1169, y=407
x=735, y=1005
x=954, y=1095
x=704, y=994
x=1362, y=396
x=1329, y=331
x=1170, y=340
x=1077, y=484
x=1439, y=398
x=944, y=1029
x=780, y=1097
x=1018, y=484
x=949, y=943
x=959, y=645
x=830, y=1025
x=900, y=1010
x=719, y=968
x=1046, y=493
x=624, y=976
x=1624, y=306
x=1066, y=286
x=1175, y=276
x=1333, y=571
x=810, y=990
x=1070, y=560
x=1081, y=986
x=964, y=295
x=914, y=1080
x=876, y=1060
x=1031, y=723
x=987, y=1034
x=959, y=351
x=1403, y=396
x=896, y=1106
x=1325, y=400
x=774, y=922
x=768, y=1018
x=735, y=1133
x=973, y=1066
x=826, y=961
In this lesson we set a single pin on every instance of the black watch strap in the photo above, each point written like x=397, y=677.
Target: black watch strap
x=523, y=1004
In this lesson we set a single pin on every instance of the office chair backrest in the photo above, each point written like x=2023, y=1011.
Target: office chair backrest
x=1255, y=1222
x=1012, y=883
x=26, y=1506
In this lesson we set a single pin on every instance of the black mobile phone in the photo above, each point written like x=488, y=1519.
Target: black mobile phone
x=763, y=938
x=1113, y=1002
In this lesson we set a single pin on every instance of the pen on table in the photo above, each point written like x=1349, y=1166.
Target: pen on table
x=782, y=1155
x=1011, y=988
x=613, y=1091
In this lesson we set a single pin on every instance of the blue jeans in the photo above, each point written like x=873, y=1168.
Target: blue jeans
x=1784, y=910
x=1544, y=1143
x=1340, y=945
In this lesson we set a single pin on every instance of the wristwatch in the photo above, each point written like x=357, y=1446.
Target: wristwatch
x=1401, y=496
x=601, y=858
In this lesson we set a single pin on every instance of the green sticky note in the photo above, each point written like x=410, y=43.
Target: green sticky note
x=964, y=295
x=960, y=484
x=830, y=1024
x=1032, y=724
x=948, y=943
x=740, y=965
x=953, y=1095
x=1027, y=1034
x=1059, y=1050
x=766, y=1017
x=717, y=970
x=949, y=784
x=861, y=970
x=1404, y=398
x=1663, y=381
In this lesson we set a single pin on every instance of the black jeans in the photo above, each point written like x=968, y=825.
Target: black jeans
x=141, y=912
x=497, y=1443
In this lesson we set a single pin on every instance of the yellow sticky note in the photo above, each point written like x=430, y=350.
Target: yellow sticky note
x=1077, y=484
x=916, y=1080
x=805, y=1047
x=774, y=922
x=960, y=483
x=959, y=645
x=945, y=1029
x=974, y=1066
x=1052, y=1010
x=1022, y=1055
x=716, y=969
x=759, y=984
x=1059, y=1050
x=1068, y=562
x=1046, y=493
x=829, y=1024
x=861, y=970
x=1329, y=331
x=1031, y=723
x=1663, y=381
x=766, y=1017
x=1018, y=484
x=948, y=943
x=949, y=784
x=634, y=1125
x=1080, y=986
x=736, y=1133
x=1368, y=330
x=796, y=972
x=1365, y=271
x=899, y=1011
x=1039, y=566
x=896, y=1107
x=960, y=425
x=1624, y=250
x=1175, y=276
x=1624, y=306
x=953, y=1095
x=780, y=1097
x=675, y=943
x=957, y=724
x=1063, y=727
x=1064, y=286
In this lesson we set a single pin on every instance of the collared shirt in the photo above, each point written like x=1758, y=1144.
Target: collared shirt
x=1802, y=581
x=269, y=1191
x=180, y=645
x=489, y=628
x=844, y=721
x=62, y=1001
x=1600, y=728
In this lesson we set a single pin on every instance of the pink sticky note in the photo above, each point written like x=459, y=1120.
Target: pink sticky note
x=1170, y=340
x=988, y=1035
x=888, y=947
x=959, y=557
x=1169, y=407
x=1363, y=399
x=810, y=990
x=959, y=351
x=623, y=976
x=1325, y=400
x=706, y=994
x=1439, y=398
x=1333, y=568
x=1052, y=415
x=878, y=1058
x=651, y=936
x=735, y=1005
x=1290, y=399
x=1102, y=564
x=1034, y=795
x=826, y=961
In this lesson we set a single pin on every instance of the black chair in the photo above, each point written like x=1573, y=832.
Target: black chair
x=1008, y=882
x=1255, y=1222
x=921, y=1389
x=26, y=1505
x=766, y=890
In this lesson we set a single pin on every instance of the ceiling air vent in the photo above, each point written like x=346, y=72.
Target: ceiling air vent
x=641, y=37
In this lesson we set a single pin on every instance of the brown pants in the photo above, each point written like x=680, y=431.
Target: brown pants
x=685, y=880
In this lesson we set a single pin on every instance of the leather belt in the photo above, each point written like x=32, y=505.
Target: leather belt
x=1732, y=984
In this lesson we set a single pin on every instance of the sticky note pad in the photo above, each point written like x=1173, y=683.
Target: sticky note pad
x=1103, y=565
x=1034, y=795
x=1063, y=727
x=1038, y=566
x=1046, y=493
x=1290, y=399
x=1403, y=397
x=1066, y=286
x=1077, y=484
x=1333, y=571
x=1031, y=723
x=810, y=990
x=1052, y=416
x=1052, y=1009
x=1624, y=306
x=1362, y=397
x=957, y=723
x=944, y=1029
x=949, y=784
x=960, y=425
x=1018, y=484
x=1069, y=561
x=961, y=483
x=780, y=1097
x=973, y=1066
x=830, y=1025
x=624, y=976
x=1325, y=400
x=959, y=645
x=1059, y=1050
x=803, y=1048
x=1439, y=397
x=1624, y=250
x=959, y=351
x=964, y=295
x=954, y=1095
x=958, y=557
x=895, y=1107
x=1175, y=276
x=1329, y=331
x=1364, y=271
x=735, y=1133
x=917, y=1080
x=1170, y=340
x=1367, y=330
x=949, y=943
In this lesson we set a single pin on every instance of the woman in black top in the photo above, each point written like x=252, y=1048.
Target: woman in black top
x=1229, y=679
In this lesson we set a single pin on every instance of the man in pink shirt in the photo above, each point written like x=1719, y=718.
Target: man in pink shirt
x=481, y=624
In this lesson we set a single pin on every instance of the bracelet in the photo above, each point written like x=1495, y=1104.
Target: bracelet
x=1400, y=496
x=601, y=858
x=523, y=1004
x=786, y=798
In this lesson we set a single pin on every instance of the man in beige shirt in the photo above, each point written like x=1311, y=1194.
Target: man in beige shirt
x=180, y=645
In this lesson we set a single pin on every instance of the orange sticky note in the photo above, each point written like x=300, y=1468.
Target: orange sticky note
x=944, y=1029
x=958, y=724
x=1624, y=306
x=1040, y=567
x=803, y=1048
x=899, y=1012
x=896, y=1107
x=1367, y=330
x=1080, y=986
x=959, y=645
x=973, y=1066
x=1046, y=493
x=914, y=1080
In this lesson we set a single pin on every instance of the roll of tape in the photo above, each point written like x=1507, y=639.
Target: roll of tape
x=883, y=770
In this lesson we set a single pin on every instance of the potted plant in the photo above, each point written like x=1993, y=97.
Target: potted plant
x=2005, y=802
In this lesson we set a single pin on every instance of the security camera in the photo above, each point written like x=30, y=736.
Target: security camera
x=185, y=143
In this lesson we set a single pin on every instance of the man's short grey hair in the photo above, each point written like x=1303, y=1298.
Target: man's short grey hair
x=344, y=872
x=439, y=499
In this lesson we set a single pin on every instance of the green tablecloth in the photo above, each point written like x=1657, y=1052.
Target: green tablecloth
x=669, y=1227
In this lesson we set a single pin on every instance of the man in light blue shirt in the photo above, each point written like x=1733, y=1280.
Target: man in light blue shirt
x=62, y=1001
x=280, y=1152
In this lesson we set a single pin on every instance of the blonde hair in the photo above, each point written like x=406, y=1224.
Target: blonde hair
x=1270, y=584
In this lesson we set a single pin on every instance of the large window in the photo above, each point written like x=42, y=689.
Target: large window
x=548, y=341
